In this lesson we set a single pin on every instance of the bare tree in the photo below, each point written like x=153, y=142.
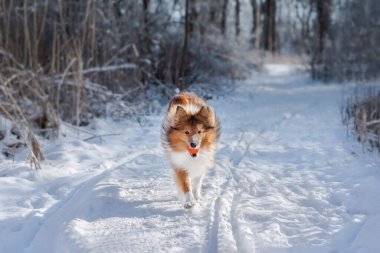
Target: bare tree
x=213, y=11
x=346, y=46
x=182, y=70
x=193, y=17
x=323, y=22
x=255, y=31
x=237, y=18
x=304, y=12
x=224, y=17
x=323, y=9
x=269, y=25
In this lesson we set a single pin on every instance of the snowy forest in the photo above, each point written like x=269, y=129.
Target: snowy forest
x=84, y=87
x=68, y=59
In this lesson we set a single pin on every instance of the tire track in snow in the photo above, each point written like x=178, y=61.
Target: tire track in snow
x=223, y=221
x=61, y=210
x=221, y=227
x=244, y=244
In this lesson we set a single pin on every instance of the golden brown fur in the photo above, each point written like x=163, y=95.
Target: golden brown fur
x=183, y=180
x=190, y=121
x=203, y=123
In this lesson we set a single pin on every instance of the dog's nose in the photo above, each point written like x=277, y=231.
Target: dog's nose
x=193, y=145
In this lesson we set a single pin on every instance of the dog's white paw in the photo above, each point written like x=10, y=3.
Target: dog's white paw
x=189, y=200
x=189, y=205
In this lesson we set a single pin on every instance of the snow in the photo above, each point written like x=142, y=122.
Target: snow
x=287, y=179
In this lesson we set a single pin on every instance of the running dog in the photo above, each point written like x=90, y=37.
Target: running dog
x=190, y=132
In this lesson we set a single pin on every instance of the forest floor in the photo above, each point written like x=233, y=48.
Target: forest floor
x=287, y=179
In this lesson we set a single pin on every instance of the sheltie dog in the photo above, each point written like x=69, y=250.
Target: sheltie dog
x=190, y=132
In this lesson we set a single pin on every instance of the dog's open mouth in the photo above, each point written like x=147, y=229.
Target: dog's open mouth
x=193, y=151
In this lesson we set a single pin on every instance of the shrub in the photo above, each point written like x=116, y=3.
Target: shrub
x=363, y=114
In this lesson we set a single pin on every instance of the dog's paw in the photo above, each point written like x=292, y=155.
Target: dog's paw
x=189, y=200
x=188, y=205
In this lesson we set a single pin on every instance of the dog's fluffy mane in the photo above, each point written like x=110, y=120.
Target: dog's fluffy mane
x=187, y=109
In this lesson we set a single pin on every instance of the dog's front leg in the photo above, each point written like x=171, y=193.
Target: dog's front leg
x=184, y=187
x=197, y=185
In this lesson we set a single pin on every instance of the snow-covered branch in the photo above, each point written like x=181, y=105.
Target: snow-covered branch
x=373, y=122
x=101, y=69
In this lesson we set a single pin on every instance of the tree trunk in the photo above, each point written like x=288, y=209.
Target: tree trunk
x=213, y=10
x=146, y=34
x=255, y=31
x=270, y=25
x=193, y=17
x=224, y=17
x=237, y=18
x=182, y=69
x=323, y=20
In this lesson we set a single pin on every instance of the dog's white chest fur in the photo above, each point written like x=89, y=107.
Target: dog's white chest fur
x=196, y=167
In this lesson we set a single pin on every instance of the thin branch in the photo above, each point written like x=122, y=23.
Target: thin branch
x=373, y=122
x=100, y=136
x=101, y=69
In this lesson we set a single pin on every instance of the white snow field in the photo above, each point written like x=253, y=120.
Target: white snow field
x=287, y=179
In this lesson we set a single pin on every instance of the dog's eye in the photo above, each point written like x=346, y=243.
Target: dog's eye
x=187, y=132
x=199, y=132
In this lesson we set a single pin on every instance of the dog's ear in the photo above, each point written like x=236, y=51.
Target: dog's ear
x=206, y=116
x=204, y=113
x=179, y=117
x=180, y=113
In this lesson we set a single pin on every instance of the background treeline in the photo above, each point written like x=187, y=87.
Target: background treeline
x=70, y=59
x=61, y=55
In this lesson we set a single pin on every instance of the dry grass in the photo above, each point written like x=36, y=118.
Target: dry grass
x=45, y=47
x=364, y=116
x=59, y=59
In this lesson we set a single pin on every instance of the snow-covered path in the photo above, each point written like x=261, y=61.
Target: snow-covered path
x=287, y=179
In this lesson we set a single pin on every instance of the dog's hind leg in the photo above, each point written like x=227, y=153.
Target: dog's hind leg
x=184, y=187
x=197, y=185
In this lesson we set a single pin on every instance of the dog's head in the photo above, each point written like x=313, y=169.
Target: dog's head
x=191, y=129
